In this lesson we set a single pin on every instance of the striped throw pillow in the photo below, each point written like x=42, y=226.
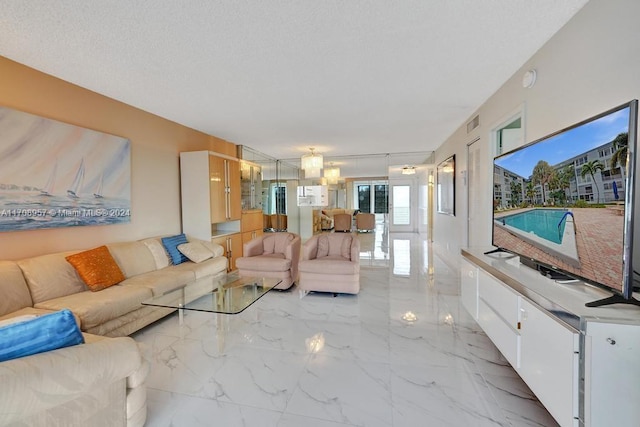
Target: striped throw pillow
x=171, y=245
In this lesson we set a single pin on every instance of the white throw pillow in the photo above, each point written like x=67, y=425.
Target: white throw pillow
x=159, y=253
x=216, y=249
x=195, y=251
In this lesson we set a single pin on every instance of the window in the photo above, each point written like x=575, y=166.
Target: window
x=364, y=198
x=381, y=198
x=279, y=197
x=509, y=136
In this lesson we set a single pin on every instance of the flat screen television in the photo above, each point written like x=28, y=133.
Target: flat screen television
x=564, y=203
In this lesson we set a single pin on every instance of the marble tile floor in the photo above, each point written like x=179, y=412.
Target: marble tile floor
x=324, y=361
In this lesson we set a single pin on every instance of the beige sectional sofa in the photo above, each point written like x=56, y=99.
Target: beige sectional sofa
x=48, y=283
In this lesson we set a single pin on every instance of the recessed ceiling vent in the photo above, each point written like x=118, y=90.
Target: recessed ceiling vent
x=474, y=123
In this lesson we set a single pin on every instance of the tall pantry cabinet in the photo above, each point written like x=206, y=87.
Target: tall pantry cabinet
x=211, y=208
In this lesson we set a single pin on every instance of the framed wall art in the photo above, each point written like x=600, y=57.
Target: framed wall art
x=446, y=187
x=54, y=174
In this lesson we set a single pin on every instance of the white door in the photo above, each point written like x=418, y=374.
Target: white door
x=402, y=206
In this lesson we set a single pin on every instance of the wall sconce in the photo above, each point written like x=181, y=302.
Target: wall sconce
x=408, y=170
x=311, y=164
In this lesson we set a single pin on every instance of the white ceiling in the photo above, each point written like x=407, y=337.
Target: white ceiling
x=346, y=77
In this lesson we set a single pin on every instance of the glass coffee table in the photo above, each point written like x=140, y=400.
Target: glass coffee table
x=223, y=295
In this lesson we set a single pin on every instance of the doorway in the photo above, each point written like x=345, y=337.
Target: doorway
x=402, y=206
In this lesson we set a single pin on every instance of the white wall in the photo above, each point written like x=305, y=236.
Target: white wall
x=592, y=64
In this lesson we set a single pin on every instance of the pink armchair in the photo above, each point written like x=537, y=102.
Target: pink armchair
x=330, y=263
x=271, y=255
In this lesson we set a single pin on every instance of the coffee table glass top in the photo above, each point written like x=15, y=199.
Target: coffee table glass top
x=229, y=294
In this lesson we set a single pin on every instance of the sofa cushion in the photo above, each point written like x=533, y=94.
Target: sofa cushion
x=95, y=308
x=51, y=276
x=159, y=253
x=69, y=385
x=195, y=251
x=330, y=264
x=134, y=258
x=13, y=288
x=171, y=245
x=210, y=267
x=29, y=311
x=97, y=268
x=39, y=334
x=161, y=281
x=267, y=262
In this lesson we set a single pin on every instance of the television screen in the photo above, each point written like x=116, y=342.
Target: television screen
x=564, y=201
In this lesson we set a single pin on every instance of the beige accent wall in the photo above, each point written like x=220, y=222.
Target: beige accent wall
x=155, y=147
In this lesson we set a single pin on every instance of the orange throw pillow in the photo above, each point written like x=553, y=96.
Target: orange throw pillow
x=97, y=268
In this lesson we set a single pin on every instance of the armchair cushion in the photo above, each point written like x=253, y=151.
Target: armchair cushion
x=267, y=262
x=276, y=243
x=334, y=244
x=330, y=265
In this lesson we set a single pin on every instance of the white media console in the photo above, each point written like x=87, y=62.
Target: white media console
x=582, y=363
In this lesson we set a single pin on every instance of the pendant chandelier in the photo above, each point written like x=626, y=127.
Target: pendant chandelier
x=311, y=164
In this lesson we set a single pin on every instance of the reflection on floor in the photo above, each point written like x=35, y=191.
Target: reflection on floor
x=343, y=361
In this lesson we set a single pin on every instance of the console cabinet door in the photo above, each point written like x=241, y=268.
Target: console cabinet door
x=612, y=375
x=232, y=245
x=498, y=315
x=549, y=362
x=469, y=288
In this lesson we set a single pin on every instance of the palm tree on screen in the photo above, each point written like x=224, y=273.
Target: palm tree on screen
x=542, y=175
x=620, y=147
x=590, y=168
x=530, y=191
x=565, y=177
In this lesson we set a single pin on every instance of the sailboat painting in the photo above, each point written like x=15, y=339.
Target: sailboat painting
x=53, y=174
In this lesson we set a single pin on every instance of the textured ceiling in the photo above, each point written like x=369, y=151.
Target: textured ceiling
x=347, y=77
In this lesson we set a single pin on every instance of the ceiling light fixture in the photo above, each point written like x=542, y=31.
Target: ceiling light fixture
x=408, y=170
x=311, y=164
x=332, y=173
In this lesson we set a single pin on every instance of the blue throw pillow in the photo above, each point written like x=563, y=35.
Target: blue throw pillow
x=44, y=333
x=171, y=245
